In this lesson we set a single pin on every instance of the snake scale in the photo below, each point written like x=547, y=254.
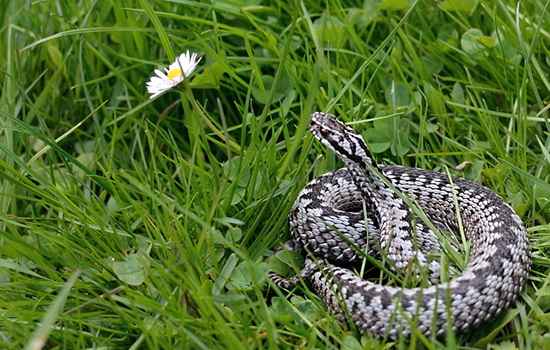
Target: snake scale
x=331, y=207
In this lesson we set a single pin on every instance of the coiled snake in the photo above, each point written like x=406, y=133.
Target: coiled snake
x=328, y=216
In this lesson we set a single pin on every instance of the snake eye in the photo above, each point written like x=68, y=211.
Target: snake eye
x=324, y=131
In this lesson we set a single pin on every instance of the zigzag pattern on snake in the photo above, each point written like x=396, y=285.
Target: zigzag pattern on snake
x=499, y=258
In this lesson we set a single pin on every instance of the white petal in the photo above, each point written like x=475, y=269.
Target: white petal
x=156, y=80
x=161, y=73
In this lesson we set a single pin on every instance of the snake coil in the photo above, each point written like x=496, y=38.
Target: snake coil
x=499, y=257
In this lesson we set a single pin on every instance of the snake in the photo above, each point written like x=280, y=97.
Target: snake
x=341, y=217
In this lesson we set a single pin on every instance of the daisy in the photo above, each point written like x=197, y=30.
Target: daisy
x=182, y=68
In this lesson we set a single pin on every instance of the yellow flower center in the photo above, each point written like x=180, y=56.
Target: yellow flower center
x=174, y=73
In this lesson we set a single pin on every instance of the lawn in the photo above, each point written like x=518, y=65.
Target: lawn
x=135, y=223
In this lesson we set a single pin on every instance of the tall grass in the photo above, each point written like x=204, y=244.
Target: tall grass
x=134, y=223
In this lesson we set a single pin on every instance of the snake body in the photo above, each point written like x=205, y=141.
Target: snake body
x=327, y=220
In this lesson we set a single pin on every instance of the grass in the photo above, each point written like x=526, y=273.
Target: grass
x=147, y=224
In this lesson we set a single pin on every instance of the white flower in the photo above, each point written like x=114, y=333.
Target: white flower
x=182, y=68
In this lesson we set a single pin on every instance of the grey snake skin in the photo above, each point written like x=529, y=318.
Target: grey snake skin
x=331, y=206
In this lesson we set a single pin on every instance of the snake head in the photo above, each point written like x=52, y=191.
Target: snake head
x=340, y=138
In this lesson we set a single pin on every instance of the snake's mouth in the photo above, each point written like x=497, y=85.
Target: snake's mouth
x=339, y=137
